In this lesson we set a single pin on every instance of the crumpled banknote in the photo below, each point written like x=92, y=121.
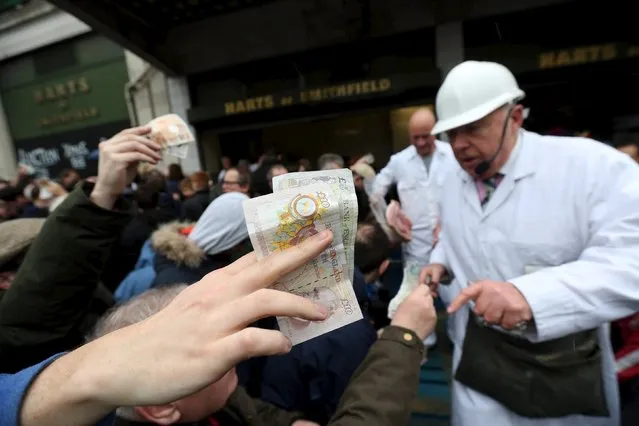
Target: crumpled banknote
x=172, y=133
x=284, y=219
x=409, y=282
x=341, y=183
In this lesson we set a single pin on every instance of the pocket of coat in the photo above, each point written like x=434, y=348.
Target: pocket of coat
x=533, y=257
x=407, y=187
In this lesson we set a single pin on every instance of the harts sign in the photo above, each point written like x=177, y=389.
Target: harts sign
x=60, y=94
x=587, y=54
x=347, y=90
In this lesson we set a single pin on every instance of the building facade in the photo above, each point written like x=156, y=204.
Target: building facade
x=64, y=88
x=305, y=77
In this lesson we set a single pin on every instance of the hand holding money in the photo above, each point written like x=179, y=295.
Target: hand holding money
x=172, y=134
x=117, y=164
x=410, y=280
x=313, y=203
x=417, y=312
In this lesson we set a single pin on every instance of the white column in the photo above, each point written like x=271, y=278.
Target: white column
x=449, y=45
x=155, y=94
x=8, y=161
x=180, y=101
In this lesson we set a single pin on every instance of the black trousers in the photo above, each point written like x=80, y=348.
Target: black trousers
x=629, y=396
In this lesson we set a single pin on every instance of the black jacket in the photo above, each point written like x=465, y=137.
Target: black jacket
x=193, y=208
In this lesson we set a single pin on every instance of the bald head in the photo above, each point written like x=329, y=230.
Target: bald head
x=419, y=127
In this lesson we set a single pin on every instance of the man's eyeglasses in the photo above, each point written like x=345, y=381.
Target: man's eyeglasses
x=230, y=182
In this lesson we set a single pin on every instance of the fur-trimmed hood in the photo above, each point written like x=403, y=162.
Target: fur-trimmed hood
x=169, y=242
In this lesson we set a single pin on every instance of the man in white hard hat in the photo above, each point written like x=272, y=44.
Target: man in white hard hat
x=541, y=235
x=418, y=172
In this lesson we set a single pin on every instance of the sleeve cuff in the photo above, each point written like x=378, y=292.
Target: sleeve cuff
x=438, y=256
x=552, y=306
x=403, y=336
x=13, y=396
x=79, y=207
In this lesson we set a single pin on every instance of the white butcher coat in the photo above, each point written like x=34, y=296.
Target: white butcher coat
x=563, y=227
x=419, y=193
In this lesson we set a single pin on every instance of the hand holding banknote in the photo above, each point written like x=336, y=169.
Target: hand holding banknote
x=117, y=164
x=286, y=218
x=172, y=134
x=409, y=282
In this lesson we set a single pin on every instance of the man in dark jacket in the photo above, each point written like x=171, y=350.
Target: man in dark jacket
x=55, y=297
x=313, y=376
x=193, y=208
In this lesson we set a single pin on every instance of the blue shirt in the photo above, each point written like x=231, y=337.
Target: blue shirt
x=14, y=387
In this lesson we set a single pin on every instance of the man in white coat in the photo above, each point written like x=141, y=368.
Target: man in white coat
x=541, y=235
x=419, y=173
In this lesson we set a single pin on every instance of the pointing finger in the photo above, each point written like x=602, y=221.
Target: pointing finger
x=265, y=272
x=467, y=294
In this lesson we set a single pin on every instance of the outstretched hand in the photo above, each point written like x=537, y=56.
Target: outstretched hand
x=183, y=348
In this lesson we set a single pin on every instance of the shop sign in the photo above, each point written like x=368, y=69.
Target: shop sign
x=61, y=93
x=89, y=96
x=586, y=54
x=352, y=90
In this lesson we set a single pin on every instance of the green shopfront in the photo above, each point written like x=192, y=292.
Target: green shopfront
x=61, y=101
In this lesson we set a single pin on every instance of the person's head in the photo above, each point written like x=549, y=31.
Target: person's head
x=236, y=181
x=68, y=178
x=143, y=170
x=146, y=196
x=175, y=172
x=222, y=227
x=200, y=181
x=330, y=161
x=186, y=188
x=304, y=165
x=275, y=170
x=193, y=408
x=631, y=149
x=477, y=107
x=226, y=163
x=420, y=127
x=244, y=166
x=155, y=179
x=372, y=251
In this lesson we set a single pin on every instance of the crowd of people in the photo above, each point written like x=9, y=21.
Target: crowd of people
x=132, y=297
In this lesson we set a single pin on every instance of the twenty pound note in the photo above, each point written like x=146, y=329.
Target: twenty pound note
x=341, y=184
x=283, y=219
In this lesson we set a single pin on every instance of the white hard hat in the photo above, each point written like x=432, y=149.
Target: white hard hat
x=471, y=91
